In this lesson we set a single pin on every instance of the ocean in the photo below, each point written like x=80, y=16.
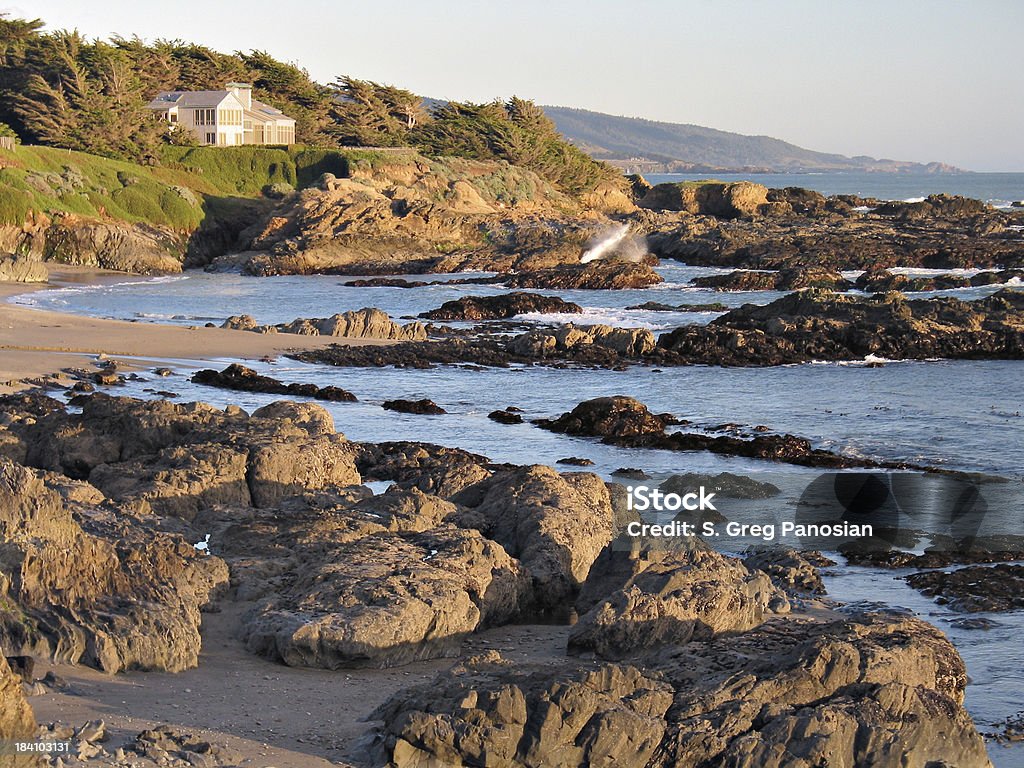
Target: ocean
x=998, y=189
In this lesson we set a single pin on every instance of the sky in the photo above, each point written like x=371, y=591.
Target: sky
x=921, y=80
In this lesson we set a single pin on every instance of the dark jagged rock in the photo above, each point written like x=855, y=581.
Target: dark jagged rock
x=576, y=461
x=982, y=549
x=431, y=468
x=974, y=588
x=941, y=233
x=657, y=306
x=242, y=379
x=387, y=282
x=784, y=280
x=631, y=473
x=598, y=275
x=627, y=422
x=611, y=417
x=424, y=406
x=725, y=484
x=882, y=281
x=505, y=417
x=790, y=570
x=820, y=325
x=501, y=307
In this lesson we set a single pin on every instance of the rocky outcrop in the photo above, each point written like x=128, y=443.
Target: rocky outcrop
x=85, y=584
x=974, y=588
x=727, y=201
x=381, y=583
x=420, y=215
x=604, y=275
x=179, y=459
x=70, y=239
x=627, y=422
x=421, y=407
x=659, y=593
x=555, y=524
x=570, y=339
x=19, y=269
x=504, y=306
x=366, y=323
x=844, y=235
x=819, y=325
x=876, y=690
x=241, y=379
x=430, y=468
x=783, y=280
x=617, y=416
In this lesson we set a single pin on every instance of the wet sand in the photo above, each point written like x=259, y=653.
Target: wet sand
x=36, y=343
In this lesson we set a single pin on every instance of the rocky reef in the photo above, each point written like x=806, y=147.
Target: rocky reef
x=678, y=655
x=799, y=228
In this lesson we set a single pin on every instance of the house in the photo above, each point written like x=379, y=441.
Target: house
x=225, y=118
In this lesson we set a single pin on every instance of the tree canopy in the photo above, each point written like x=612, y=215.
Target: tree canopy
x=61, y=89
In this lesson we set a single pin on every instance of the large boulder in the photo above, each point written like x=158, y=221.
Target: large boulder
x=617, y=416
x=492, y=712
x=366, y=323
x=556, y=524
x=873, y=690
x=84, y=584
x=382, y=583
x=500, y=307
x=723, y=200
x=660, y=593
x=19, y=269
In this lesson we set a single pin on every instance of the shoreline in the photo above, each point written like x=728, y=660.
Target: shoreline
x=38, y=344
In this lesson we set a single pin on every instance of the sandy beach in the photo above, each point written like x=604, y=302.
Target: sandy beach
x=37, y=344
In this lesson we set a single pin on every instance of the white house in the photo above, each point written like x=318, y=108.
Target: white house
x=225, y=118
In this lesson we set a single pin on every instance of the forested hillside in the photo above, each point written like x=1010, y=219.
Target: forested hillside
x=59, y=89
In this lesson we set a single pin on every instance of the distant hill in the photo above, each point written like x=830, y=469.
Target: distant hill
x=638, y=145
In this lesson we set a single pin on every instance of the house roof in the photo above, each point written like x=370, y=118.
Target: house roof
x=206, y=99
x=188, y=99
x=266, y=113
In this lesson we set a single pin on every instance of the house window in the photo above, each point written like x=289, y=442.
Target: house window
x=211, y=138
x=174, y=117
x=206, y=116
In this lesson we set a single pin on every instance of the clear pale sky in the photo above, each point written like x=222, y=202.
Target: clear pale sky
x=911, y=80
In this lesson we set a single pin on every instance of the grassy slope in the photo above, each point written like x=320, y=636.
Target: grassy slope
x=195, y=183
x=178, y=194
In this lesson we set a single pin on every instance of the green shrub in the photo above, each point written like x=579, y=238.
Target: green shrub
x=139, y=205
x=14, y=205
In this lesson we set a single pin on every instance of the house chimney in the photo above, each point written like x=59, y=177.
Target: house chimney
x=243, y=92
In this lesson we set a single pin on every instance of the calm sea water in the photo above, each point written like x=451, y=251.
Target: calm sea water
x=999, y=189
